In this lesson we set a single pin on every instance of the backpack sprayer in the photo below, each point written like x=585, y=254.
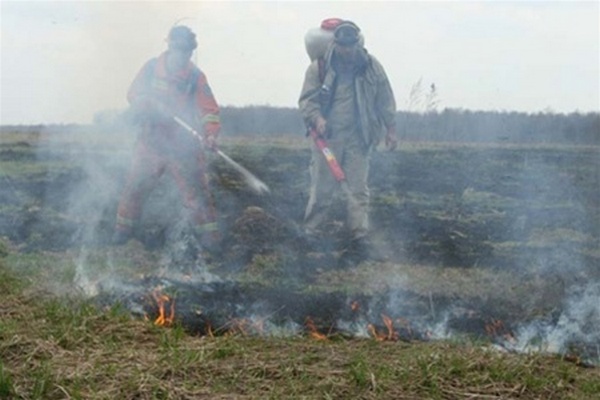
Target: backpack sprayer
x=317, y=41
x=252, y=181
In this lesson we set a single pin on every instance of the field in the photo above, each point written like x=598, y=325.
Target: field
x=490, y=288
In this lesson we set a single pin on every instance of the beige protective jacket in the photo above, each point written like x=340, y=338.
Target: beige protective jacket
x=375, y=101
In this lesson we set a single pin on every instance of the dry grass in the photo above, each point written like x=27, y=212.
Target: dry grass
x=52, y=348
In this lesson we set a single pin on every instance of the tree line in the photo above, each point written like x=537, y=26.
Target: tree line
x=449, y=125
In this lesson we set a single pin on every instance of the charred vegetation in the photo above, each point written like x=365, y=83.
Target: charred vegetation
x=527, y=211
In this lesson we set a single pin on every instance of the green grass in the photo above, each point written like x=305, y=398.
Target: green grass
x=56, y=347
x=17, y=169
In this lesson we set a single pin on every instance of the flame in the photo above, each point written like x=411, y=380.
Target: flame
x=495, y=327
x=389, y=325
x=374, y=333
x=165, y=318
x=380, y=336
x=314, y=333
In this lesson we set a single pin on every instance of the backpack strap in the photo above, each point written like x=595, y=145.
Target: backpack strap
x=192, y=83
x=325, y=91
x=190, y=86
x=321, y=63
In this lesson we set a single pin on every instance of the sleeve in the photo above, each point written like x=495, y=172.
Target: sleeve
x=140, y=87
x=208, y=107
x=386, y=103
x=309, y=104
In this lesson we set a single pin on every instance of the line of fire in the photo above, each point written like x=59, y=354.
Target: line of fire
x=229, y=309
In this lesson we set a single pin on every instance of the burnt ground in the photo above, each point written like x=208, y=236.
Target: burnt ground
x=529, y=212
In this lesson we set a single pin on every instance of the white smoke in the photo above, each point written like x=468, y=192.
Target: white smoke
x=577, y=325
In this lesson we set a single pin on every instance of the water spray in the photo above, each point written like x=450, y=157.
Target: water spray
x=251, y=180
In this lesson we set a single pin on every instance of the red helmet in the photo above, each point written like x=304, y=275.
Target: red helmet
x=330, y=24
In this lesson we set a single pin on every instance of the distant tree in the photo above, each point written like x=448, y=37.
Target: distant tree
x=420, y=102
x=415, y=97
x=431, y=100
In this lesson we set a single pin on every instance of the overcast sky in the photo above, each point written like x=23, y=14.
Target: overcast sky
x=64, y=61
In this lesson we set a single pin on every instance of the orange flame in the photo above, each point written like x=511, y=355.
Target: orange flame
x=380, y=336
x=497, y=328
x=165, y=318
x=389, y=325
x=494, y=327
x=314, y=333
x=374, y=333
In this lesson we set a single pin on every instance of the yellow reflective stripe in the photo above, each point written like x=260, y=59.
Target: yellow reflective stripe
x=208, y=227
x=210, y=118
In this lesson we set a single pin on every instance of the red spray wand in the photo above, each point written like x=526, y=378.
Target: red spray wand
x=334, y=166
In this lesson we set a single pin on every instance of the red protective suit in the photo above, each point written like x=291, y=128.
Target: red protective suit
x=155, y=96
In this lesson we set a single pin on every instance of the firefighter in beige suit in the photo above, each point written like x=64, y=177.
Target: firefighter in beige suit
x=348, y=100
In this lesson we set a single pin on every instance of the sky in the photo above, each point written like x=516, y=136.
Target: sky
x=66, y=61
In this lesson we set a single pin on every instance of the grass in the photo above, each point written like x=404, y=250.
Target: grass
x=57, y=347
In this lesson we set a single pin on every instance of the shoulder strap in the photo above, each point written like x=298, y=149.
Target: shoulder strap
x=321, y=62
x=192, y=85
x=192, y=82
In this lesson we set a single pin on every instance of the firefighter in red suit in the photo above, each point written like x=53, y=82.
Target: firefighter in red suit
x=167, y=86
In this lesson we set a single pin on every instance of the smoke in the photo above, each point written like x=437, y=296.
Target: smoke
x=574, y=329
x=527, y=211
x=97, y=155
x=163, y=243
x=559, y=238
x=534, y=213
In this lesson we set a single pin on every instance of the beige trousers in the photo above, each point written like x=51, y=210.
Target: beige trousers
x=354, y=159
